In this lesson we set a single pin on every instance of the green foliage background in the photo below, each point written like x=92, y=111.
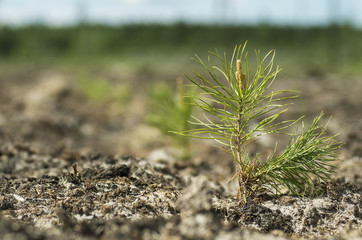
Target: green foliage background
x=311, y=50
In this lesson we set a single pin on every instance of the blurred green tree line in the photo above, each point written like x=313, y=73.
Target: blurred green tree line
x=102, y=39
x=337, y=44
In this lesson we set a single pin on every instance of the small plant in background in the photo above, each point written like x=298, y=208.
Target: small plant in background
x=98, y=90
x=171, y=111
x=240, y=107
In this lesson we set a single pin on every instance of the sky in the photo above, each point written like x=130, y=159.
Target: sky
x=279, y=12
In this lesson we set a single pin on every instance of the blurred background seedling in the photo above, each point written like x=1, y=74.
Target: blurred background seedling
x=114, y=96
x=170, y=109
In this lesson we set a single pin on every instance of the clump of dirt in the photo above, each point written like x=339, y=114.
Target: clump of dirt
x=339, y=207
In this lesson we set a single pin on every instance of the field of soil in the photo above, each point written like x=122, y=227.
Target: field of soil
x=70, y=169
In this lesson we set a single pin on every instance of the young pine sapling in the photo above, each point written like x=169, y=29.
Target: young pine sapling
x=238, y=108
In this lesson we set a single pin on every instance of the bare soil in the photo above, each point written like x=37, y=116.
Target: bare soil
x=69, y=169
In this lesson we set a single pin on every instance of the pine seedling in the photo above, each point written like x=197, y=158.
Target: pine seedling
x=171, y=111
x=238, y=108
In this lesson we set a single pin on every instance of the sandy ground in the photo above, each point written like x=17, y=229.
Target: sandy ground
x=71, y=169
